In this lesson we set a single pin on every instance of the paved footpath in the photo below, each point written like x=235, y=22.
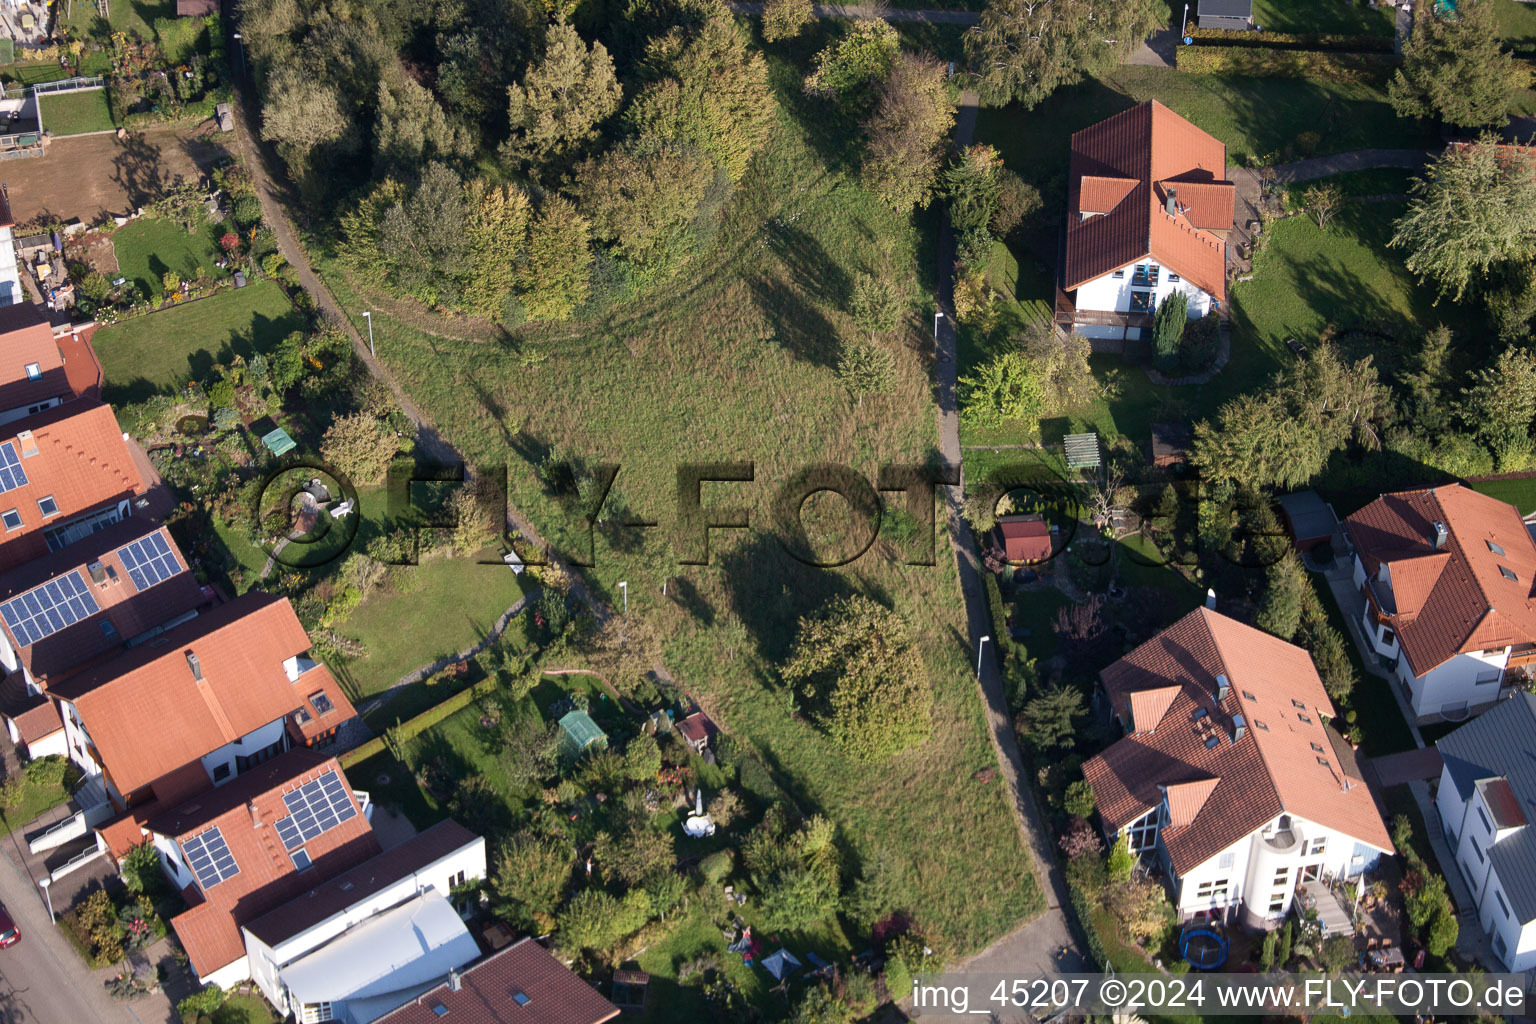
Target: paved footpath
x=1035, y=946
x=1355, y=160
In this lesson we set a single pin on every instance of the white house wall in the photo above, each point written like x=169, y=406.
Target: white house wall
x=54, y=743
x=266, y=962
x=228, y=976
x=1513, y=940
x=246, y=745
x=1112, y=294
x=1250, y=875
x=1453, y=686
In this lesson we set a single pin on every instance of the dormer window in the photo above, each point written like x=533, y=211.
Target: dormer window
x=34, y=371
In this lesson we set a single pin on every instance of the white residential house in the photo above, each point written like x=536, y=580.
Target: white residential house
x=1149, y=209
x=371, y=938
x=1486, y=800
x=1228, y=776
x=1447, y=576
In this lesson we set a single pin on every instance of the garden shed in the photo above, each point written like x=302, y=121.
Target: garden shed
x=578, y=733
x=278, y=442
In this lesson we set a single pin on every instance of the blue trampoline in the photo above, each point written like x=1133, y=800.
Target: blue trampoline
x=1204, y=944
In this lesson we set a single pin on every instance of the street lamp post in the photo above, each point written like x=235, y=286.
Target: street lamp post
x=624, y=586
x=1184, y=29
x=368, y=315
x=45, y=883
x=240, y=50
x=936, y=318
x=980, y=646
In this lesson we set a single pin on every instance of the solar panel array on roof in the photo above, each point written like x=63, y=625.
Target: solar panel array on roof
x=313, y=808
x=43, y=611
x=210, y=859
x=149, y=560
x=12, y=475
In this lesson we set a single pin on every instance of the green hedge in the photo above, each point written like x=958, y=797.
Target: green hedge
x=1084, y=912
x=413, y=727
x=1258, y=62
x=1291, y=40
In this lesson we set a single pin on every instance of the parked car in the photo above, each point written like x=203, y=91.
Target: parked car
x=10, y=933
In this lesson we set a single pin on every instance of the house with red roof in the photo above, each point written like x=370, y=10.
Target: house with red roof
x=241, y=850
x=40, y=369
x=1026, y=538
x=1149, y=208
x=82, y=604
x=1447, y=576
x=1228, y=775
x=199, y=704
x=64, y=473
x=522, y=984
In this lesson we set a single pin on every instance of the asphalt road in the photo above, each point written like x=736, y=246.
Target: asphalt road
x=42, y=980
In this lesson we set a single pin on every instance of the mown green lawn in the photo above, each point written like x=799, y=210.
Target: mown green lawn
x=239, y=1009
x=31, y=800
x=1517, y=24
x=74, y=113
x=1519, y=493
x=158, y=352
x=734, y=361
x=1332, y=17
x=135, y=18
x=149, y=247
x=457, y=602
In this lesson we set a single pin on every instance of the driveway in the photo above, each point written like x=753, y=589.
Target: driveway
x=42, y=979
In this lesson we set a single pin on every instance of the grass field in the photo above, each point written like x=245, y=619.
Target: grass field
x=1336, y=18
x=1519, y=493
x=239, y=1009
x=31, y=800
x=155, y=353
x=75, y=113
x=734, y=361
x=149, y=247
x=136, y=17
x=1517, y=24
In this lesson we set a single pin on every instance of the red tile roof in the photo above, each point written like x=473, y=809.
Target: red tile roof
x=1223, y=789
x=36, y=717
x=245, y=811
x=487, y=993
x=67, y=365
x=81, y=461
x=150, y=690
x=130, y=611
x=697, y=728
x=358, y=883
x=1455, y=600
x=1127, y=165
x=1025, y=538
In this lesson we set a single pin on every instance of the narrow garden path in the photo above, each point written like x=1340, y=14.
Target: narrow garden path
x=1036, y=945
x=1355, y=160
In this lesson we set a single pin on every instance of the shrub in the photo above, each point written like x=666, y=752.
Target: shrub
x=717, y=867
x=1258, y=62
x=47, y=771
x=200, y=1004
x=1079, y=800
x=141, y=869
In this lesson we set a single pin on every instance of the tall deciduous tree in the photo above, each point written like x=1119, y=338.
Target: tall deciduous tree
x=709, y=91
x=1473, y=212
x=857, y=669
x=412, y=129
x=785, y=19
x=563, y=98
x=301, y=114
x=907, y=132
x=850, y=65
x=645, y=203
x=495, y=228
x=1024, y=50
x=422, y=235
x=1456, y=69
x=553, y=274
x=1322, y=202
x=1501, y=402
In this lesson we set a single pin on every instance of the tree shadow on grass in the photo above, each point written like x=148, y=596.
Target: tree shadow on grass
x=798, y=327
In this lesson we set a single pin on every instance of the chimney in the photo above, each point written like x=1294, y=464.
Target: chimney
x=454, y=982
x=1172, y=205
x=195, y=665
x=255, y=813
x=27, y=443
x=1223, y=687
x=1440, y=535
x=1239, y=727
